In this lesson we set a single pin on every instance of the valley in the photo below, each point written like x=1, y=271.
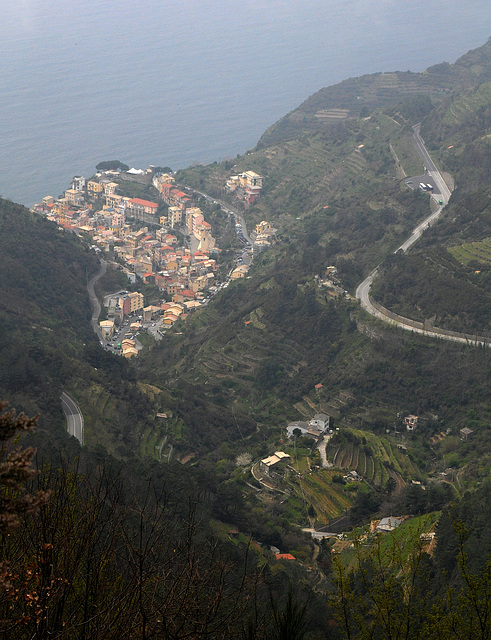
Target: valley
x=280, y=446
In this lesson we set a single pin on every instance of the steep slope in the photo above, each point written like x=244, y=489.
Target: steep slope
x=44, y=312
x=446, y=277
x=47, y=344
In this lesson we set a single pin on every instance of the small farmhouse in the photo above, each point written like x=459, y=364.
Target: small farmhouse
x=318, y=425
x=411, y=422
x=388, y=524
x=273, y=463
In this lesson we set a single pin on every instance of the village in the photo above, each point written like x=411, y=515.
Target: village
x=168, y=244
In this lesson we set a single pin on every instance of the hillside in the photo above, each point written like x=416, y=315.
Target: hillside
x=232, y=376
x=336, y=188
x=45, y=310
x=188, y=546
x=47, y=343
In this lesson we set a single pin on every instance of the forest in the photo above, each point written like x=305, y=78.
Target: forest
x=95, y=549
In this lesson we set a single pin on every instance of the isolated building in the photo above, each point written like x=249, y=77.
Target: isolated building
x=274, y=462
x=411, y=422
x=389, y=524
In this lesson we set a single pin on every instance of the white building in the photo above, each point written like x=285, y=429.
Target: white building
x=320, y=421
x=78, y=183
x=389, y=524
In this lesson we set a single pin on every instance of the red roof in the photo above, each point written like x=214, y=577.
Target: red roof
x=284, y=556
x=145, y=203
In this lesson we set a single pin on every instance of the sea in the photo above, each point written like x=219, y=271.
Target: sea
x=177, y=83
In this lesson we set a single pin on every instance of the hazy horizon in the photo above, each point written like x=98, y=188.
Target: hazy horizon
x=174, y=84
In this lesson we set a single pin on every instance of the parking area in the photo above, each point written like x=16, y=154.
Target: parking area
x=430, y=186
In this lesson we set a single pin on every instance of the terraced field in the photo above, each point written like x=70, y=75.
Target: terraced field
x=467, y=103
x=400, y=542
x=479, y=251
x=375, y=461
x=328, y=499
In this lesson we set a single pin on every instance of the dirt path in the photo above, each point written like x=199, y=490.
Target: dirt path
x=322, y=450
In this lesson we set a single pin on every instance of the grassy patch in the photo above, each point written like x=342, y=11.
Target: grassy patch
x=478, y=251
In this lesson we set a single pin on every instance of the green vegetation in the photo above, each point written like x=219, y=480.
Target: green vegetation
x=138, y=190
x=475, y=252
x=112, y=165
x=398, y=590
x=271, y=348
x=328, y=499
x=374, y=458
x=48, y=345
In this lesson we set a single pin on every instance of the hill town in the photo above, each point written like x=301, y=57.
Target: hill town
x=167, y=243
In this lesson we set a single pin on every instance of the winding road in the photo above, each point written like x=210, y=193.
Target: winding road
x=96, y=305
x=74, y=417
x=363, y=289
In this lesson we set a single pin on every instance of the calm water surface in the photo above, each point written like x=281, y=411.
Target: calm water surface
x=154, y=82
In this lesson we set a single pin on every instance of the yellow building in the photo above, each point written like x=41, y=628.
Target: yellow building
x=174, y=216
x=129, y=351
x=115, y=201
x=239, y=272
x=94, y=188
x=74, y=197
x=107, y=328
x=194, y=218
x=110, y=188
x=263, y=227
x=60, y=207
x=136, y=301
x=232, y=183
x=251, y=179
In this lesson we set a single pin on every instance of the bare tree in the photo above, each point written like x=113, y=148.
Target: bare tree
x=16, y=469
